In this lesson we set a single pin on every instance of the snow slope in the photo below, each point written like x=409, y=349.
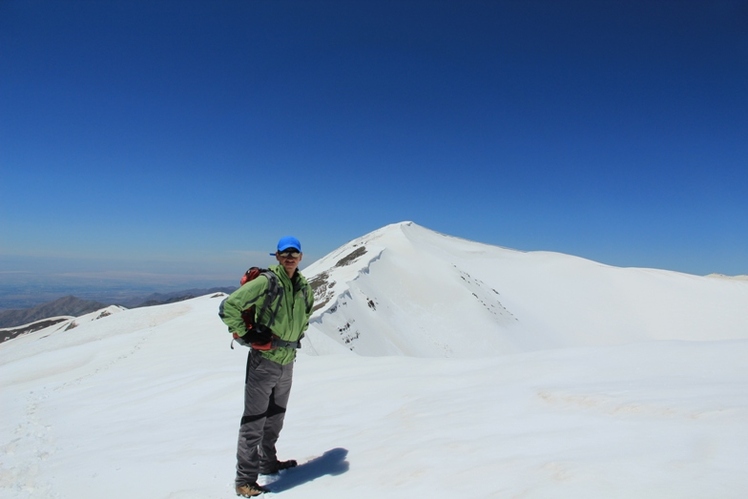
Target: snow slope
x=553, y=391
x=406, y=290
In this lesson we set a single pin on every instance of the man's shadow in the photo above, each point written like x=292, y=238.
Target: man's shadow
x=331, y=462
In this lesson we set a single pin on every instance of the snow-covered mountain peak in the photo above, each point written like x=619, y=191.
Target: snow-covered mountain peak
x=407, y=290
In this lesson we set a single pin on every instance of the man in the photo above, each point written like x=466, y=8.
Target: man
x=280, y=325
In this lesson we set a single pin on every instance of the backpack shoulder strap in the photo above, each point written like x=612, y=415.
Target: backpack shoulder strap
x=274, y=290
x=305, y=291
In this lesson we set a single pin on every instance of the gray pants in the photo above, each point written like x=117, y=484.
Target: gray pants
x=266, y=390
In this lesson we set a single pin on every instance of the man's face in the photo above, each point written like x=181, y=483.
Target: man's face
x=289, y=259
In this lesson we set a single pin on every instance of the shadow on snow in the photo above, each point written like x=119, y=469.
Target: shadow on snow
x=331, y=462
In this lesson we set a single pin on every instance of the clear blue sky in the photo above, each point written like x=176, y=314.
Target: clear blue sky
x=187, y=136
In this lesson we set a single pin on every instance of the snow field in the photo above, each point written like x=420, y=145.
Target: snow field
x=571, y=379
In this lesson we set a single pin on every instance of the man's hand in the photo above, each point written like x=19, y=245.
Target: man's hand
x=242, y=340
x=262, y=344
x=258, y=334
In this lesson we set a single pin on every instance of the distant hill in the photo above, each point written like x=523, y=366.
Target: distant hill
x=173, y=297
x=13, y=332
x=74, y=306
x=65, y=306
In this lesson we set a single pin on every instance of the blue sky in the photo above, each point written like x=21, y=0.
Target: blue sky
x=183, y=138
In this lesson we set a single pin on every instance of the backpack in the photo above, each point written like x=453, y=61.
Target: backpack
x=258, y=335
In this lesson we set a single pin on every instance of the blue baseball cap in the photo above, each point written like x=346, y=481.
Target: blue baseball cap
x=288, y=242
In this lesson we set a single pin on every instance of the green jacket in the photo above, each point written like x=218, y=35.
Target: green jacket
x=292, y=319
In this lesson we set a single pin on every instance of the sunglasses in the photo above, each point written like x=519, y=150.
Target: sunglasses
x=289, y=254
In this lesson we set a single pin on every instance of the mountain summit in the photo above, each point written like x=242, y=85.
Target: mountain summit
x=407, y=290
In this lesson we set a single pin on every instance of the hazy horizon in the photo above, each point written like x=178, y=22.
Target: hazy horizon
x=109, y=283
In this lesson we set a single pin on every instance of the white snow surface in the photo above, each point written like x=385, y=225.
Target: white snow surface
x=433, y=367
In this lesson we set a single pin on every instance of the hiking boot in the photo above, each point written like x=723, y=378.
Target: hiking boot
x=250, y=490
x=277, y=466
